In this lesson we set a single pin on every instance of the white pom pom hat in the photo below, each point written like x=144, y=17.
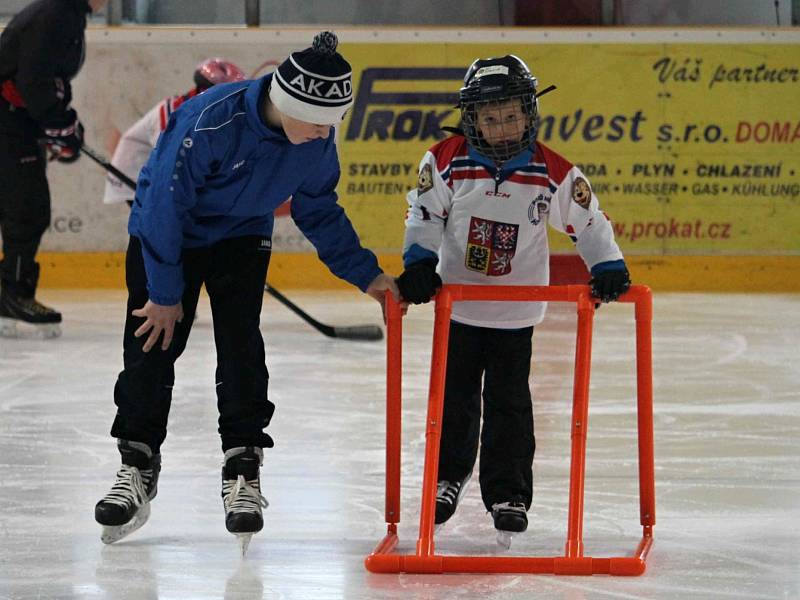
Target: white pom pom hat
x=314, y=85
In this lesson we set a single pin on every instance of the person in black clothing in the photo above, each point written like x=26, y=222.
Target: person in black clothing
x=41, y=50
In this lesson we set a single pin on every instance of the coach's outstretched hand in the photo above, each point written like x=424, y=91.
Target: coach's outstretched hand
x=377, y=290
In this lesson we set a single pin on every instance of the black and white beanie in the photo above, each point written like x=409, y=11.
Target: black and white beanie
x=314, y=85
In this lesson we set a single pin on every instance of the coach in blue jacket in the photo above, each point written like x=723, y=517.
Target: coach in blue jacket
x=203, y=214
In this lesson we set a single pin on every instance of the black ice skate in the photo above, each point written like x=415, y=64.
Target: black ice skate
x=241, y=493
x=448, y=495
x=509, y=518
x=16, y=310
x=127, y=506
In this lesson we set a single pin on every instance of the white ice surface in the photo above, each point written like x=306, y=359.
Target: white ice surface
x=727, y=419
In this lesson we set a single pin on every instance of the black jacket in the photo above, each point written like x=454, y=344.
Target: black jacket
x=41, y=50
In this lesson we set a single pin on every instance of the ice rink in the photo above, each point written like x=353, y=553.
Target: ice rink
x=727, y=434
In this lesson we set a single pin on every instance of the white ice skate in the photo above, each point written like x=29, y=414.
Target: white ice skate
x=241, y=494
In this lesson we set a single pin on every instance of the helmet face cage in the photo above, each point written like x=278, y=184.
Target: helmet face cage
x=493, y=98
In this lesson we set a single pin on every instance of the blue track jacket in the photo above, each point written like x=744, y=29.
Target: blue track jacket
x=219, y=172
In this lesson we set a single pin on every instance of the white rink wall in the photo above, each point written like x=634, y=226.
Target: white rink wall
x=128, y=70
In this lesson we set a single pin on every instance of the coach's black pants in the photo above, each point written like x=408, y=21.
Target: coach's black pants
x=502, y=358
x=234, y=272
x=24, y=210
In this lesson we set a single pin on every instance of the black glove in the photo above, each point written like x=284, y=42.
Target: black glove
x=419, y=282
x=64, y=137
x=610, y=285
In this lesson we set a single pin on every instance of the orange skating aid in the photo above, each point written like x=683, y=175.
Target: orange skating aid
x=573, y=562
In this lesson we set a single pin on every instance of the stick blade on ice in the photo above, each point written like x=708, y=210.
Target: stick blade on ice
x=359, y=332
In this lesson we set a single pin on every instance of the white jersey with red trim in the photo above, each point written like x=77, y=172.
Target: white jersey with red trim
x=489, y=227
x=135, y=146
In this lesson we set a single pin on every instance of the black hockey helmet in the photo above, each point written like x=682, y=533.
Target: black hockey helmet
x=494, y=81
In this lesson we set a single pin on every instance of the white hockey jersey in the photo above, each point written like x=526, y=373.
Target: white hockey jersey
x=135, y=146
x=488, y=227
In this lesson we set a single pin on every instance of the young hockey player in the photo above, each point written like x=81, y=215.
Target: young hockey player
x=480, y=212
x=203, y=215
x=41, y=49
x=139, y=139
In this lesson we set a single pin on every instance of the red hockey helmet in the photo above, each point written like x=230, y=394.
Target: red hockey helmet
x=212, y=71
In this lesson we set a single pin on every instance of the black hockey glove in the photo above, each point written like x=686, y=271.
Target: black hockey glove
x=419, y=282
x=610, y=285
x=64, y=137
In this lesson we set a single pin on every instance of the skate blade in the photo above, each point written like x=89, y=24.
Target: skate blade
x=244, y=541
x=13, y=328
x=114, y=533
x=504, y=539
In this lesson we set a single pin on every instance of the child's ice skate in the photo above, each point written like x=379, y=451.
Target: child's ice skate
x=126, y=507
x=448, y=495
x=509, y=518
x=241, y=493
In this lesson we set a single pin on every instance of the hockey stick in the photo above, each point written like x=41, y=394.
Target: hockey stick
x=352, y=332
x=108, y=167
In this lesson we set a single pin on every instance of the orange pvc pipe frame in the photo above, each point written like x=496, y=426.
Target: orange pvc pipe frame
x=425, y=560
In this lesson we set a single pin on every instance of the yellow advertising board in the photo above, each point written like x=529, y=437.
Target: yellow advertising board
x=690, y=137
x=693, y=149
